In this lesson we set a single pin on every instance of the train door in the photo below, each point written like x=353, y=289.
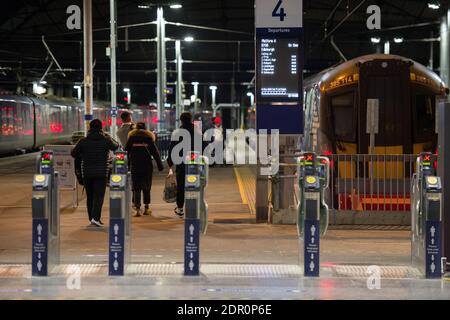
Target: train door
x=389, y=82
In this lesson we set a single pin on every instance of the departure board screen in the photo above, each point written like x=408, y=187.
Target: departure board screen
x=278, y=70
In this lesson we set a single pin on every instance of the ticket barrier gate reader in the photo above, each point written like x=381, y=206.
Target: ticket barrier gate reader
x=119, y=216
x=45, y=214
x=312, y=220
x=196, y=210
x=426, y=240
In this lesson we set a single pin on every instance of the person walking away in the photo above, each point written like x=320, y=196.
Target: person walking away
x=93, y=151
x=186, y=124
x=142, y=150
x=125, y=128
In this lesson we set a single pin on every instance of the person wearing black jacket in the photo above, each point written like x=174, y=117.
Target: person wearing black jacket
x=195, y=133
x=142, y=150
x=93, y=151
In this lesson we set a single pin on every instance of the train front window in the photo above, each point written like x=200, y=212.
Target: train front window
x=424, y=117
x=343, y=119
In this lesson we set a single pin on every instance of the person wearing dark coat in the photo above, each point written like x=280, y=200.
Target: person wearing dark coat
x=142, y=150
x=186, y=124
x=93, y=151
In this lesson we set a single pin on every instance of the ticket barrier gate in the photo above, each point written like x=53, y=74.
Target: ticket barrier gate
x=196, y=210
x=119, y=216
x=426, y=224
x=312, y=220
x=45, y=215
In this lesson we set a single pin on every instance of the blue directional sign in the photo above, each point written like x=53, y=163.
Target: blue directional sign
x=40, y=247
x=191, y=247
x=117, y=247
x=433, y=250
x=312, y=248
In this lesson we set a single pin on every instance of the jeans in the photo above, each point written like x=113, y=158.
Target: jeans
x=95, y=193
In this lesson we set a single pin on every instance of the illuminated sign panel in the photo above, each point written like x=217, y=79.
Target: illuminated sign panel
x=279, y=65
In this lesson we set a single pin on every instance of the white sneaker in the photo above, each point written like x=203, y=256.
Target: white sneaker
x=96, y=223
x=179, y=212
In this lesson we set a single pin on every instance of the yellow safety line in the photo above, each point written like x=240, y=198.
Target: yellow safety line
x=241, y=186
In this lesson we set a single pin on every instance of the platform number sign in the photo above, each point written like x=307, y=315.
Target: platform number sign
x=279, y=11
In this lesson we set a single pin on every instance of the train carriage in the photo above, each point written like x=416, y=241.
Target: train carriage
x=377, y=177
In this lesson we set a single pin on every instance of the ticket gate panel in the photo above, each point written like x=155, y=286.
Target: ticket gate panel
x=196, y=211
x=119, y=224
x=312, y=221
x=45, y=216
x=426, y=238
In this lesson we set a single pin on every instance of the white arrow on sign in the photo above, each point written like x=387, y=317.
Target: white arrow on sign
x=116, y=265
x=39, y=265
x=191, y=255
x=39, y=239
x=191, y=239
x=116, y=239
x=39, y=255
x=432, y=241
x=116, y=229
x=313, y=230
x=432, y=267
x=312, y=256
x=312, y=240
x=39, y=229
x=311, y=266
x=433, y=231
x=116, y=255
x=191, y=229
x=432, y=258
x=191, y=265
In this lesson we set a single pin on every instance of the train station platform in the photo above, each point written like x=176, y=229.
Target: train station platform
x=240, y=259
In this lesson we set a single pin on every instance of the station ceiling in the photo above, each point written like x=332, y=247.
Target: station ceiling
x=222, y=57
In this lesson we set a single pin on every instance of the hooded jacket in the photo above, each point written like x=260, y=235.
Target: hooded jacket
x=93, y=151
x=141, y=148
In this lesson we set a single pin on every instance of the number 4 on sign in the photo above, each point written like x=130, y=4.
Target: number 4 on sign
x=278, y=11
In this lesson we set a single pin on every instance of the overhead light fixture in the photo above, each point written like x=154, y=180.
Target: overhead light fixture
x=375, y=40
x=195, y=83
x=176, y=6
x=143, y=7
x=43, y=82
x=213, y=87
x=189, y=39
x=398, y=40
x=126, y=89
x=434, y=5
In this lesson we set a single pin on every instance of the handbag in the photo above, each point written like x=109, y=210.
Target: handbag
x=170, y=189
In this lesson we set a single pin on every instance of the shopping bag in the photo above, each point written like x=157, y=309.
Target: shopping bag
x=170, y=189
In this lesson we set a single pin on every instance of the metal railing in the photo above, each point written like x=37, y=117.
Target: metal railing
x=371, y=182
x=163, y=144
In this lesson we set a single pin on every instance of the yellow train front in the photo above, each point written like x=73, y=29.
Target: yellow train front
x=372, y=177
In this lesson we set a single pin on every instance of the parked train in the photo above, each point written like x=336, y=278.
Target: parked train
x=336, y=106
x=28, y=123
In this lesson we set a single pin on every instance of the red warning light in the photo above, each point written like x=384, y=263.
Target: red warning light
x=47, y=156
x=194, y=156
x=120, y=156
x=309, y=157
x=125, y=99
x=426, y=157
